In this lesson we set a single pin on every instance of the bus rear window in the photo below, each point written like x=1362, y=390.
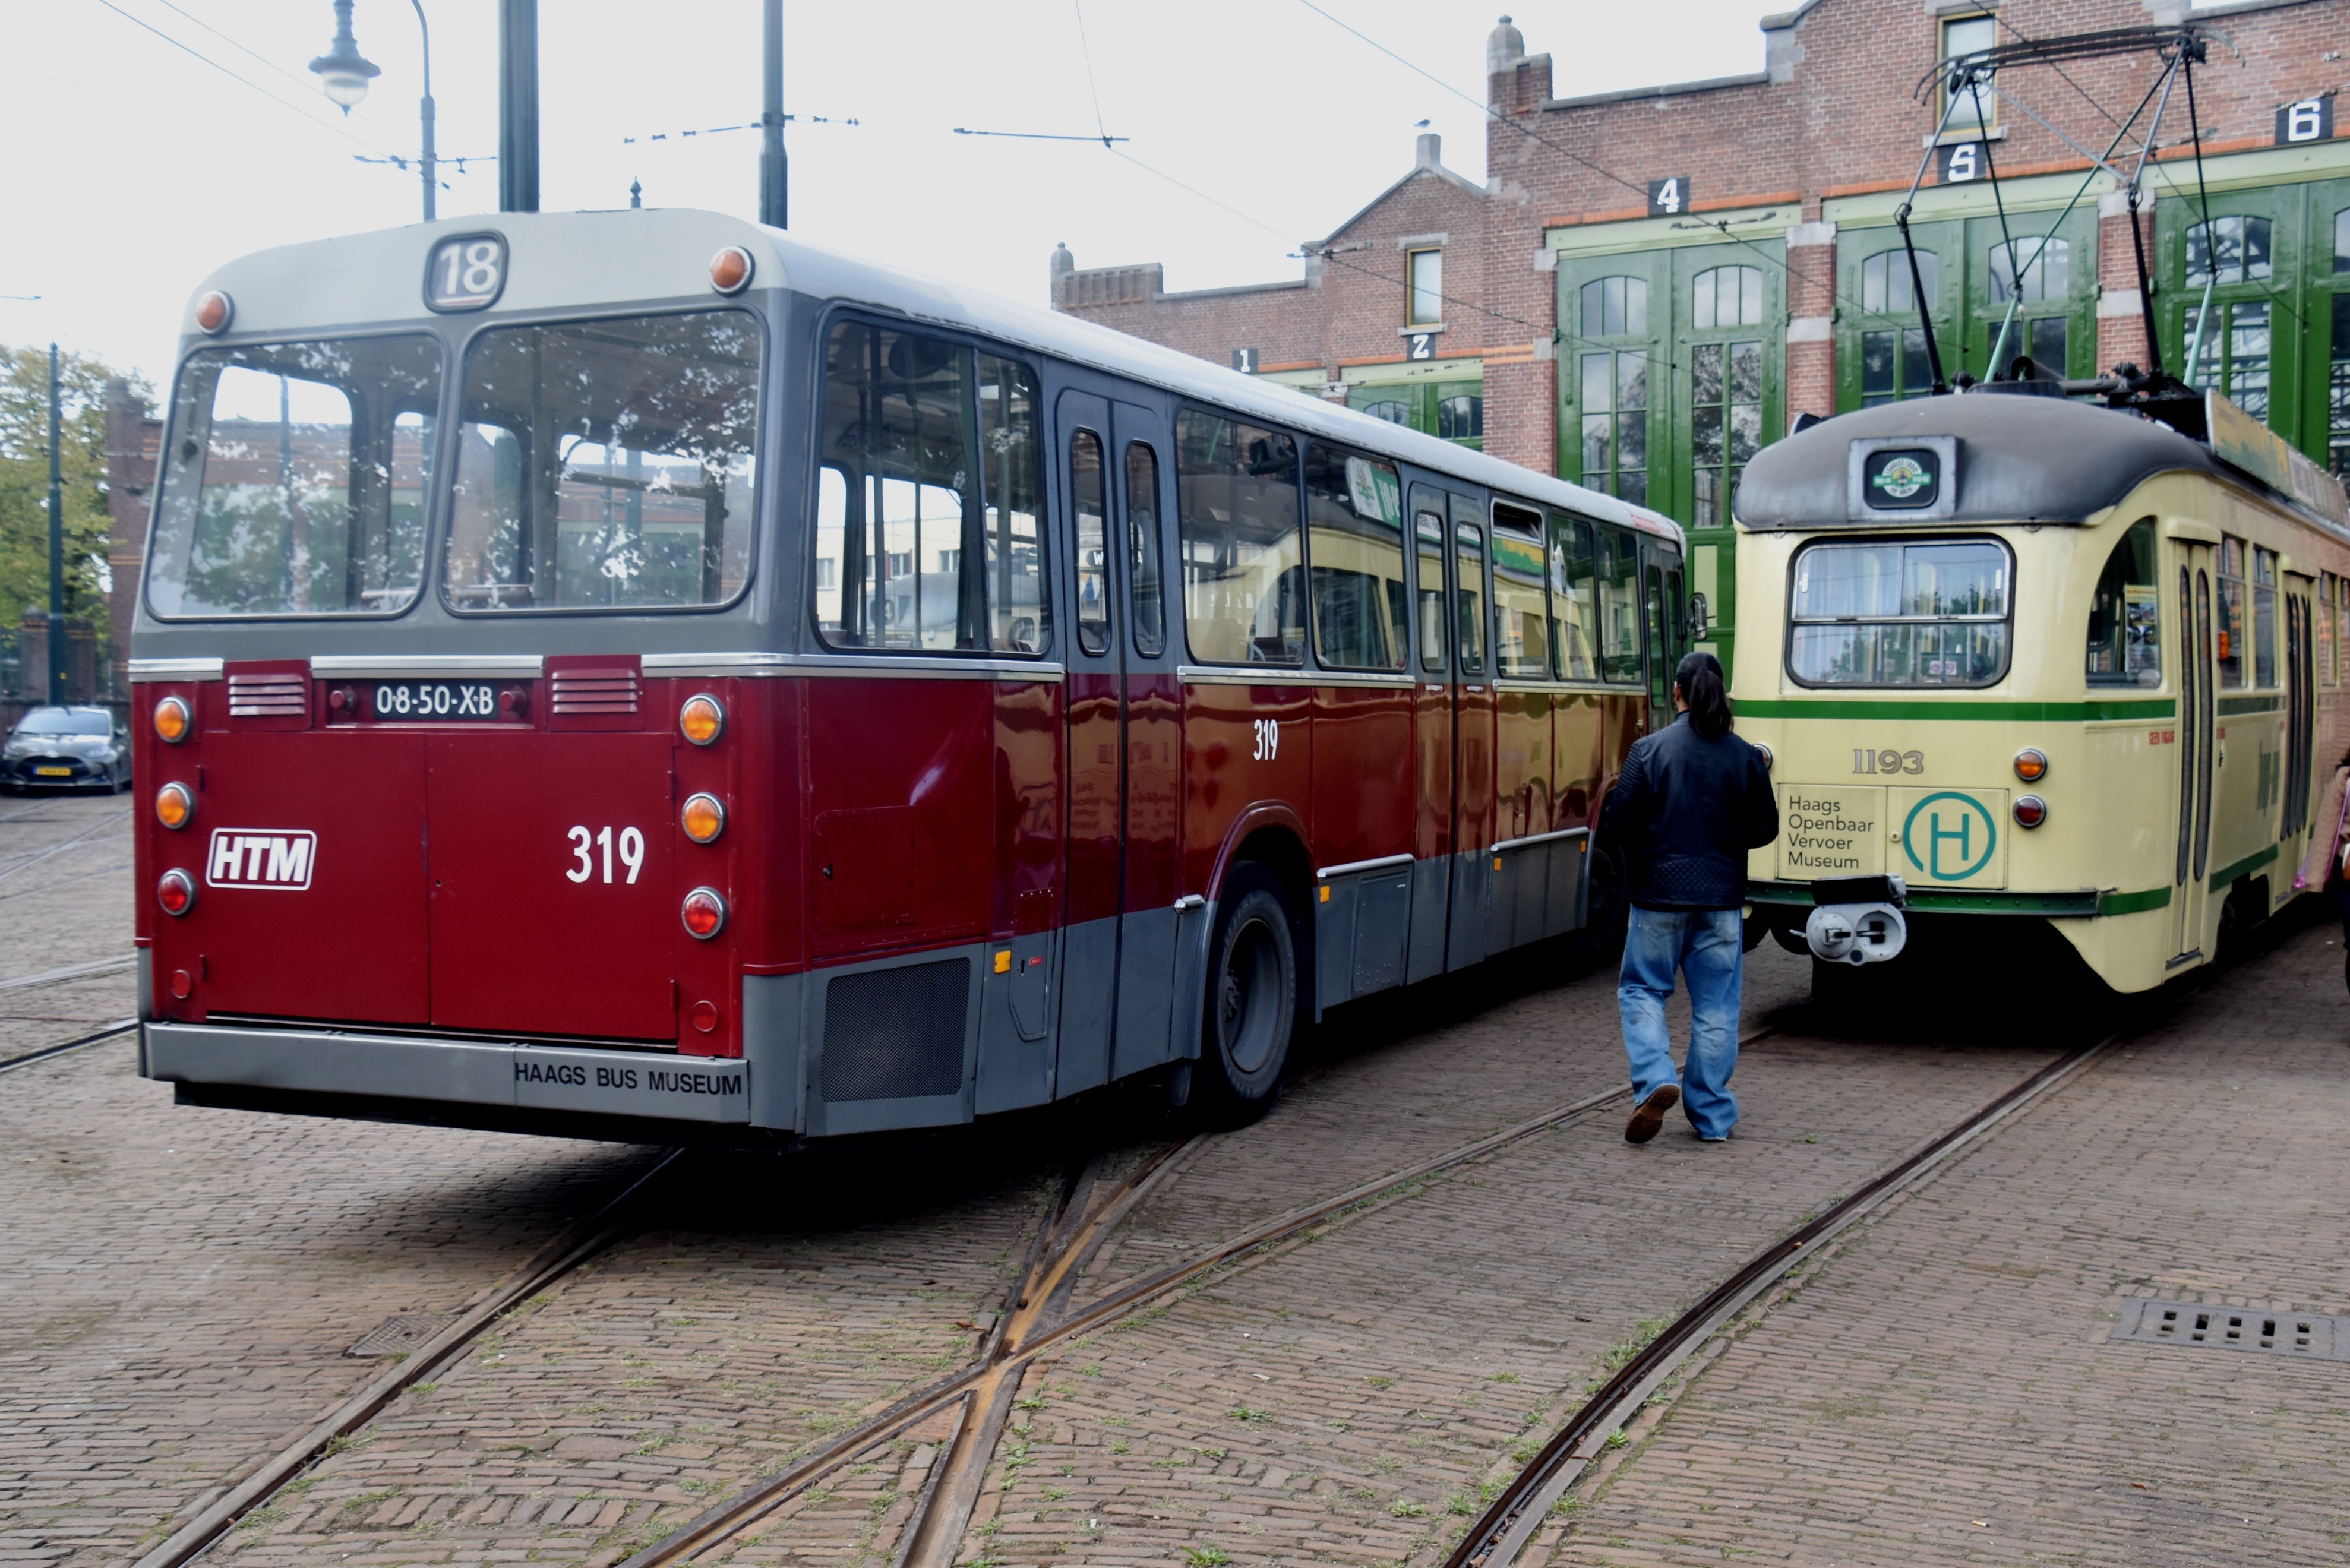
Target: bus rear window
x=1890, y=613
x=297, y=479
x=607, y=464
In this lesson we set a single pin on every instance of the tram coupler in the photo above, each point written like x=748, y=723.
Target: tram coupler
x=1857, y=920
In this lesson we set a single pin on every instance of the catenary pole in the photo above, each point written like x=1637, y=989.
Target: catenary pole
x=57, y=538
x=431, y=201
x=774, y=171
x=518, y=106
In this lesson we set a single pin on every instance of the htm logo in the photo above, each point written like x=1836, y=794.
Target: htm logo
x=274, y=857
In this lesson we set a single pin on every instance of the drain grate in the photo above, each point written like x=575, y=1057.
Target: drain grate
x=2306, y=1336
x=397, y=1335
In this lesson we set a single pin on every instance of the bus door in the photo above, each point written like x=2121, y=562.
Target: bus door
x=1095, y=704
x=1434, y=796
x=2193, y=734
x=1475, y=832
x=1142, y=481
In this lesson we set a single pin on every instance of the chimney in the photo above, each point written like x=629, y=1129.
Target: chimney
x=1430, y=153
x=1063, y=264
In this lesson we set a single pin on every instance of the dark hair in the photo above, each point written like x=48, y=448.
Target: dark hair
x=1699, y=680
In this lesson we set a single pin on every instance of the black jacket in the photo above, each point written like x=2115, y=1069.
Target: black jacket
x=1683, y=814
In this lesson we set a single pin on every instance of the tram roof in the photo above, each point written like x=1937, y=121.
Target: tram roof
x=594, y=260
x=2018, y=460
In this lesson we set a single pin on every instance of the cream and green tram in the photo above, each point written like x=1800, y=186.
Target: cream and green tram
x=2021, y=658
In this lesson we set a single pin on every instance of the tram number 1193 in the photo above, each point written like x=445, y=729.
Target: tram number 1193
x=1889, y=761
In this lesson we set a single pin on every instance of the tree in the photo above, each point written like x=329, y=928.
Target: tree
x=24, y=482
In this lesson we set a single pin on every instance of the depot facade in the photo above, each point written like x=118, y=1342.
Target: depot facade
x=1651, y=284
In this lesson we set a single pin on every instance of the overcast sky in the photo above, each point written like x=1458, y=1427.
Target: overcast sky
x=135, y=166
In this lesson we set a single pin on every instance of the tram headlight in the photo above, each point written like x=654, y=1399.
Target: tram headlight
x=703, y=719
x=2031, y=811
x=703, y=817
x=173, y=719
x=704, y=912
x=176, y=892
x=730, y=270
x=175, y=806
x=2032, y=764
x=215, y=311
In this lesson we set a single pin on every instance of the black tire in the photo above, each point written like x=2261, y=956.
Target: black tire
x=1251, y=1011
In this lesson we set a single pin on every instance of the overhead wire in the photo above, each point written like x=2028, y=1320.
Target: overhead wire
x=1101, y=127
x=343, y=131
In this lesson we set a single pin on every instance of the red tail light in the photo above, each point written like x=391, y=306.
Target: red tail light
x=2031, y=811
x=705, y=912
x=176, y=892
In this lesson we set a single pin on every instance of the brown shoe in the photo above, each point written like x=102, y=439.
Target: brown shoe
x=1649, y=1114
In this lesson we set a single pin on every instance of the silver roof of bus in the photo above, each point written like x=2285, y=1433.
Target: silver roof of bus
x=564, y=261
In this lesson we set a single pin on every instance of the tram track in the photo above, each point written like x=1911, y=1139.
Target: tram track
x=980, y=1394
x=1500, y=1536
x=253, y=1487
x=120, y=1026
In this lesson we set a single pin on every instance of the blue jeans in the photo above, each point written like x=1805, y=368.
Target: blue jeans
x=1705, y=945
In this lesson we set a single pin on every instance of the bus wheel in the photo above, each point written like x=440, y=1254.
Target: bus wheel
x=1251, y=1003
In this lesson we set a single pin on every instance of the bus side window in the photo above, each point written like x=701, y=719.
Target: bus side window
x=1237, y=503
x=1354, y=542
x=1676, y=615
x=1575, y=594
x=2125, y=615
x=1619, y=607
x=1430, y=529
x=1660, y=657
x=1146, y=590
x=1090, y=514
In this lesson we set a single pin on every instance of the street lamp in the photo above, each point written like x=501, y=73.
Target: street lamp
x=342, y=70
x=345, y=74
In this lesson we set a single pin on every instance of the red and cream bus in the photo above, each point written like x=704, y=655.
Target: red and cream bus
x=633, y=675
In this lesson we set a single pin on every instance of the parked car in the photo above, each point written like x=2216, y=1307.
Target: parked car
x=66, y=748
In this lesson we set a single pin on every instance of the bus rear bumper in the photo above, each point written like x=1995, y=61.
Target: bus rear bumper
x=636, y=1085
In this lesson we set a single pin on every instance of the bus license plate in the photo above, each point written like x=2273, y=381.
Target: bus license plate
x=434, y=702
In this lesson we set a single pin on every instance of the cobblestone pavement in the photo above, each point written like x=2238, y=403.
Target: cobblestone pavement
x=64, y=902
x=1944, y=1389
x=695, y=1359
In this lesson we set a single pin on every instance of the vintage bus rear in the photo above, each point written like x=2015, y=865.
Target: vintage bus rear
x=629, y=674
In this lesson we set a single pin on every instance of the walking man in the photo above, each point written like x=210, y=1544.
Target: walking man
x=1692, y=800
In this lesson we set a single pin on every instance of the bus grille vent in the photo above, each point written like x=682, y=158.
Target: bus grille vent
x=595, y=690
x=268, y=696
x=893, y=1034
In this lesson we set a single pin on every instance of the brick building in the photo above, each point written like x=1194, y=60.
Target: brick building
x=1703, y=261
x=133, y=437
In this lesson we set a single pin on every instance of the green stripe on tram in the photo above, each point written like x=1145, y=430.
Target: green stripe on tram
x=2228, y=874
x=1989, y=901
x=1955, y=708
x=2132, y=903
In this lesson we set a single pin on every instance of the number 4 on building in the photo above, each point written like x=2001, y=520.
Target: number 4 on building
x=1669, y=197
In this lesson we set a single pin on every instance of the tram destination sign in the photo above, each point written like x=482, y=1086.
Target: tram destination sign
x=431, y=702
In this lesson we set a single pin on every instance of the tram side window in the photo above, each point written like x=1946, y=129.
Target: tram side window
x=1619, y=606
x=1469, y=585
x=2125, y=615
x=2233, y=629
x=929, y=533
x=2264, y=617
x=1243, y=575
x=1575, y=596
x=1354, y=542
x=297, y=479
x=1521, y=609
x=607, y=464
x=1885, y=613
x=1428, y=528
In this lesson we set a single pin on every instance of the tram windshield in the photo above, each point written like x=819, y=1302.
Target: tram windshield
x=297, y=479
x=607, y=464
x=1890, y=613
